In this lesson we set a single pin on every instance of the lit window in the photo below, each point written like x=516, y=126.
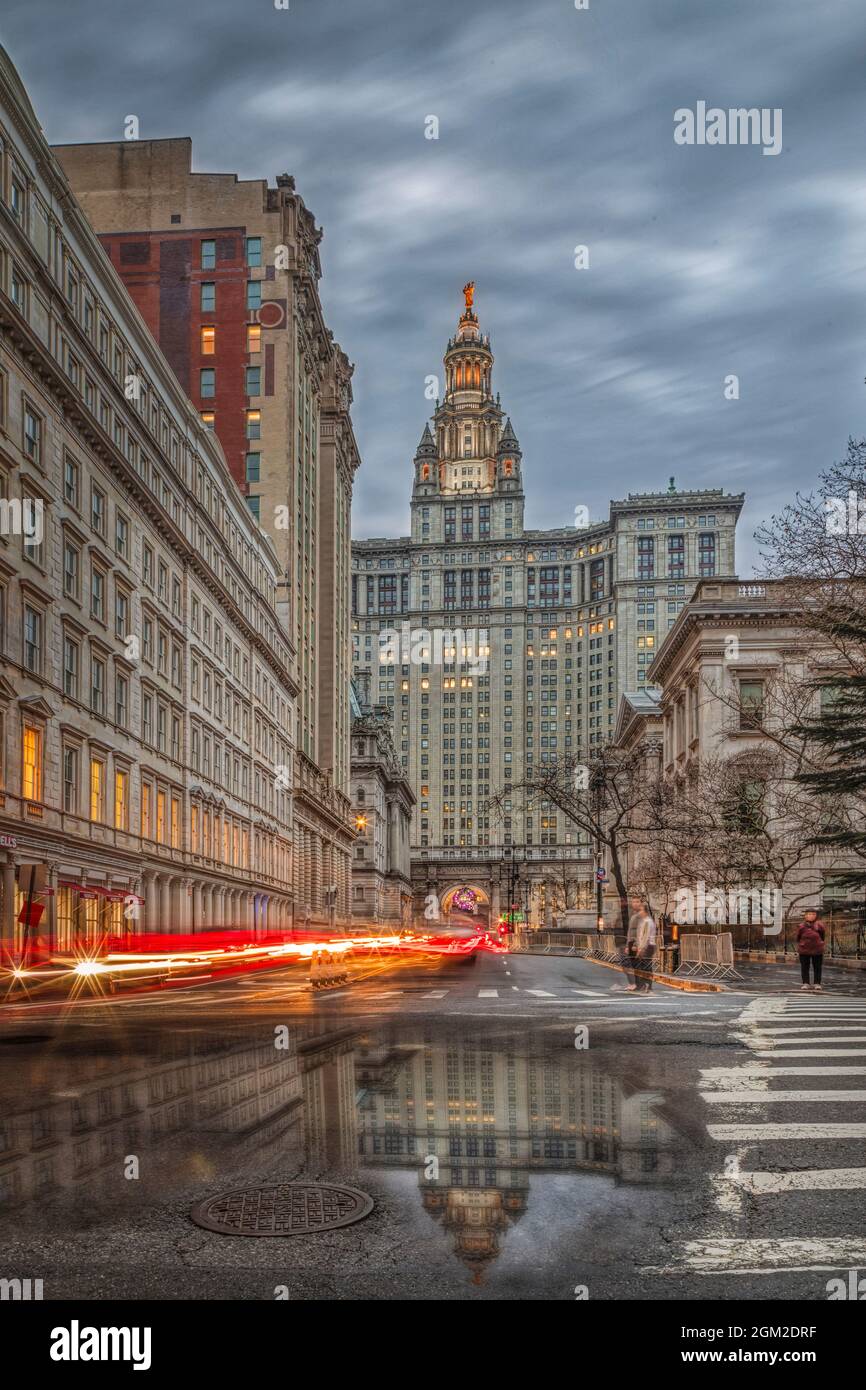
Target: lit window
x=208, y=419
x=97, y=790
x=121, y=800
x=208, y=341
x=254, y=337
x=254, y=424
x=31, y=763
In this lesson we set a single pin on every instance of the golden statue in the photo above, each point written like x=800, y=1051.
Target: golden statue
x=469, y=293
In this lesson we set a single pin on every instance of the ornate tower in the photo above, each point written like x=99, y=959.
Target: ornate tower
x=468, y=456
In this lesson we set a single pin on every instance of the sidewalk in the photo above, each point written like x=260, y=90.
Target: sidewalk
x=777, y=978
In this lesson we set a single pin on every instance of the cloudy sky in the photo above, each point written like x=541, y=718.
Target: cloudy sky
x=555, y=130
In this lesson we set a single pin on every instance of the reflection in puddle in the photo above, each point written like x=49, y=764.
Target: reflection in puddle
x=474, y=1117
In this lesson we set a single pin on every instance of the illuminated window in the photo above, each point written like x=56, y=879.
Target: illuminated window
x=254, y=424
x=121, y=800
x=254, y=337
x=194, y=828
x=208, y=341
x=208, y=419
x=146, y=810
x=31, y=763
x=160, y=817
x=175, y=822
x=97, y=790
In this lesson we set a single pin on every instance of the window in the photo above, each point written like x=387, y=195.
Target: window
x=121, y=535
x=208, y=341
x=253, y=468
x=254, y=251
x=32, y=639
x=751, y=704
x=253, y=381
x=97, y=685
x=121, y=700
x=32, y=434
x=208, y=297
x=175, y=822
x=121, y=799
x=254, y=337
x=207, y=383
x=97, y=509
x=254, y=424
x=254, y=505
x=254, y=294
x=31, y=763
x=97, y=594
x=71, y=570
x=19, y=288
x=70, y=481
x=70, y=780
x=208, y=255
x=97, y=789
x=146, y=810
x=70, y=668
x=208, y=419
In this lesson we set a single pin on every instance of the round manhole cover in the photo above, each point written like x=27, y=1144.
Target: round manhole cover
x=288, y=1209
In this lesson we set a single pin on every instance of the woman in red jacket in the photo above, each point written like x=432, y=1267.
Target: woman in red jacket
x=810, y=946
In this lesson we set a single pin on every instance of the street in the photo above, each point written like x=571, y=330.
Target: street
x=524, y=1128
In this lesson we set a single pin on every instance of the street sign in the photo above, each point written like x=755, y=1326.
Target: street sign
x=601, y=876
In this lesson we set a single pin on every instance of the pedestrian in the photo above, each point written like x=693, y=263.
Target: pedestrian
x=811, y=935
x=640, y=945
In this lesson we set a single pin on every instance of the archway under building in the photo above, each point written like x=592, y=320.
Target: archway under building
x=466, y=903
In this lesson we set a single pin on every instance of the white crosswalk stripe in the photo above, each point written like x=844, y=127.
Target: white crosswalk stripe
x=435, y=994
x=488, y=994
x=826, y=1035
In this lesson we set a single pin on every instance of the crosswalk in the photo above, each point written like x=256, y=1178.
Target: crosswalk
x=815, y=1147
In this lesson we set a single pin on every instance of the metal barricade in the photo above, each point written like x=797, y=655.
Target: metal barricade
x=726, y=969
x=690, y=954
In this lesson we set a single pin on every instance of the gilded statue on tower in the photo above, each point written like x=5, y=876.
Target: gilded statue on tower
x=469, y=293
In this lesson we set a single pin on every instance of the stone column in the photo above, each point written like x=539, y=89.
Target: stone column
x=7, y=923
x=197, y=905
x=164, y=903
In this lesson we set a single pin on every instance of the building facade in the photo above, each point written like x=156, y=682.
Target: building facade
x=499, y=647
x=736, y=671
x=382, y=802
x=147, y=702
x=225, y=272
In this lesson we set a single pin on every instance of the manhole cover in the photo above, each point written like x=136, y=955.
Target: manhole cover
x=288, y=1209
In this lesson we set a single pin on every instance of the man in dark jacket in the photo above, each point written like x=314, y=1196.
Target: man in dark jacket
x=810, y=947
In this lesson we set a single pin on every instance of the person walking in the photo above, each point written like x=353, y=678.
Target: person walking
x=811, y=935
x=640, y=945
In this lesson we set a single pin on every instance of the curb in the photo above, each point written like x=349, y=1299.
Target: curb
x=671, y=981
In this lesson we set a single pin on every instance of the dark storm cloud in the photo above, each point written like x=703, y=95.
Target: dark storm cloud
x=556, y=129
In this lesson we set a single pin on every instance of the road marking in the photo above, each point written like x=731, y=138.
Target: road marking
x=768, y=1097
x=592, y=993
x=781, y=1029
x=814, y=1052
x=799, y=1041
x=539, y=993
x=440, y=994
x=718, y=1076
x=389, y=994
x=809, y=1179
x=488, y=994
x=755, y=1133
x=721, y=1255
